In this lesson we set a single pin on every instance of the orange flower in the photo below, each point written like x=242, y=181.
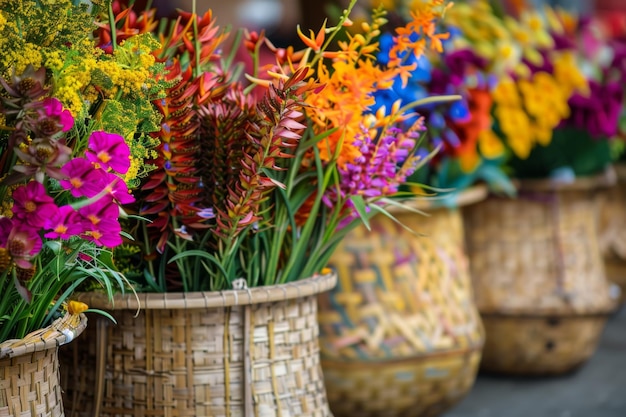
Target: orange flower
x=315, y=42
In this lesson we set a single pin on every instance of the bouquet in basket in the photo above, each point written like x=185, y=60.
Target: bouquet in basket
x=75, y=125
x=547, y=107
x=261, y=171
x=468, y=151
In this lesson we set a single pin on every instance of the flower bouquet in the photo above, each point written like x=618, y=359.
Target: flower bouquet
x=74, y=126
x=467, y=151
x=543, y=311
x=546, y=111
x=256, y=180
x=394, y=311
x=261, y=179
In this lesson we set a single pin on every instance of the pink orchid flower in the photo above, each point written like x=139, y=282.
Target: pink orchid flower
x=109, y=151
x=82, y=178
x=64, y=224
x=32, y=206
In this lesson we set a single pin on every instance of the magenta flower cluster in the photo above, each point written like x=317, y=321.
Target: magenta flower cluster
x=376, y=172
x=93, y=181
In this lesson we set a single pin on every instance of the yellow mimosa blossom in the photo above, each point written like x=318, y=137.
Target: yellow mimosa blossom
x=29, y=54
x=54, y=60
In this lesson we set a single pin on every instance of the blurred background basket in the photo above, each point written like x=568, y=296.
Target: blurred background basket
x=613, y=230
x=400, y=334
x=538, y=275
x=29, y=370
x=228, y=353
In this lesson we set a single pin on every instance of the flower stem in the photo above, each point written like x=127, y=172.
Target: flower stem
x=197, y=46
x=112, y=26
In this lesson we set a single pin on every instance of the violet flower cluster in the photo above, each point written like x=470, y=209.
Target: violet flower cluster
x=375, y=172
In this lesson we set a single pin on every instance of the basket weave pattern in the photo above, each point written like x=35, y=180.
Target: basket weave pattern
x=539, y=345
x=539, y=277
x=29, y=370
x=254, y=358
x=400, y=334
x=30, y=384
x=613, y=231
x=424, y=386
x=537, y=253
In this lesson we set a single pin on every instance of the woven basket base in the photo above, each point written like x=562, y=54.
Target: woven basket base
x=190, y=362
x=539, y=345
x=420, y=387
x=29, y=384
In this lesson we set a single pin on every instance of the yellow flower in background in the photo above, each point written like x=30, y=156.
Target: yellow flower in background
x=542, y=134
x=567, y=74
x=535, y=101
x=506, y=93
x=490, y=145
x=537, y=26
x=512, y=120
x=553, y=91
x=521, y=144
x=507, y=55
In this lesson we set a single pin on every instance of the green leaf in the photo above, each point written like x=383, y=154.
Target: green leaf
x=361, y=209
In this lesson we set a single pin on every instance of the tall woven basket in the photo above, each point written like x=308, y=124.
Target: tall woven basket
x=400, y=334
x=538, y=276
x=613, y=230
x=29, y=370
x=232, y=353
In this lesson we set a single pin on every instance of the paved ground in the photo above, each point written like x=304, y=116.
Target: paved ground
x=597, y=389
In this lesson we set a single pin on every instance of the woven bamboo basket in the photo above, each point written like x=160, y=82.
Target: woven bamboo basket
x=538, y=276
x=400, y=334
x=29, y=370
x=251, y=352
x=613, y=230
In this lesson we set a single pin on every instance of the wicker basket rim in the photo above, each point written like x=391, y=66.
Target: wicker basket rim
x=211, y=299
x=470, y=195
x=604, y=179
x=382, y=362
x=58, y=333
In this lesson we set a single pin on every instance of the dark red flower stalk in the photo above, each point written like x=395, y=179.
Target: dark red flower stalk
x=271, y=136
x=173, y=188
